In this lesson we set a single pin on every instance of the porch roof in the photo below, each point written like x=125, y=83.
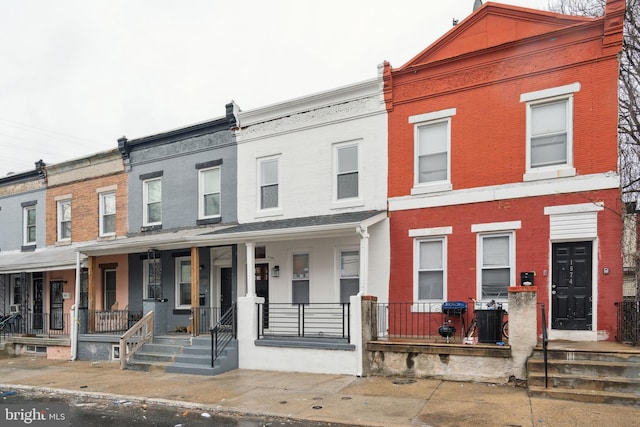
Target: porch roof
x=46, y=259
x=295, y=228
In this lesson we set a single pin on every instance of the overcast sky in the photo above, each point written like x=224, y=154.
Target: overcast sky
x=75, y=75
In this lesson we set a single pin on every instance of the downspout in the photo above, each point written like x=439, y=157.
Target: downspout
x=75, y=321
x=364, y=289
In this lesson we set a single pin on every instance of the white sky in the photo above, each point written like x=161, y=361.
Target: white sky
x=75, y=75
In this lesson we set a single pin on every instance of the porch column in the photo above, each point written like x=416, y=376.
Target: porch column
x=195, y=292
x=364, y=260
x=251, y=269
x=93, y=276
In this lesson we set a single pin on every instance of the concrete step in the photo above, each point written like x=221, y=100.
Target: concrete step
x=204, y=351
x=631, y=356
x=594, y=383
x=591, y=396
x=193, y=359
x=146, y=366
x=187, y=368
x=181, y=340
x=143, y=356
x=586, y=368
x=161, y=348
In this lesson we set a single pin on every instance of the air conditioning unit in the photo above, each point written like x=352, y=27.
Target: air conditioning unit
x=14, y=308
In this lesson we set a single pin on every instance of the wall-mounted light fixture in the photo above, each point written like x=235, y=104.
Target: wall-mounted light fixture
x=275, y=271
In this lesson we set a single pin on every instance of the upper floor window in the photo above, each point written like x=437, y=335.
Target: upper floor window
x=152, y=199
x=29, y=221
x=64, y=220
x=209, y=193
x=347, y=175
x=269, y=183
x=300, y=280
x=550, y=132
x=432, y=148
x=107, y=214
x=349, y=274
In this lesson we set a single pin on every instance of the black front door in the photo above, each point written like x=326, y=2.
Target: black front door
x=38, y=303
x=571, y=286
x=56, y=314
x=262, y=290
x=226, y=298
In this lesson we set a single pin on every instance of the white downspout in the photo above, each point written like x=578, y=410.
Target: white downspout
x=251, y=272
x=75, y=321
x=364, y=259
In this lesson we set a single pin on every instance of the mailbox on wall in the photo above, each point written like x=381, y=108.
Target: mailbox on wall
x=526, y=278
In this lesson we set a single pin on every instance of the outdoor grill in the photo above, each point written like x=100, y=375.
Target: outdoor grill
x=451, y=308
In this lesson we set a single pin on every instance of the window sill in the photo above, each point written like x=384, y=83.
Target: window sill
x=206, y=221
x=348, y=203
x=150, y=227
x=65, y=242
x=431, y=188
x=269, y=212
x=107, y=237
x=560, y=172
x=28, y=248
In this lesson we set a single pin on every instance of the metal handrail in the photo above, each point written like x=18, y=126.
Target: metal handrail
x=137, y=335
x=309, y=321
x=223, y=333
x=545, y=342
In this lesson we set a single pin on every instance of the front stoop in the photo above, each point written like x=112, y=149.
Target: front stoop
x=586, y=375
x=184, y=355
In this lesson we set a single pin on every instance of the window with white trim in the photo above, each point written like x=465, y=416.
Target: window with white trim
x=183, y=282
x=431, y=266
x=432, y=150
x=152, y=279
x=268, y=170
x=29, y=221
x=349, y=274
x=496, y=257
x=107, y=214
x=300, y=279
x=152, y=200
x=550, y=132
x=347, y=171
x=209, y=193
x=64, y=220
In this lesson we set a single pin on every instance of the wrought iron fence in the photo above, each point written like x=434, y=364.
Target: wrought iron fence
x=317, y=320
x=38, y=324
x=411, y=320
x=628, y=325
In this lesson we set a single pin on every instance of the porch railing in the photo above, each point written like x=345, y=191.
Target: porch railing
x=114, y=320
x=628, y=324
x=410, y=320
x=223, y=333
x=317, y=320
x=39, y=324
x=205, y=318
x=135, y=337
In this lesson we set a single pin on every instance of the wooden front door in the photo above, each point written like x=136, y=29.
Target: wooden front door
x=571, y=286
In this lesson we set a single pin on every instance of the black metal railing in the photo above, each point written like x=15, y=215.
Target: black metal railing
x=106, y=321
x=545, y=343
x=315, y=320
x=38, y=324
x=223, y=333
x=205, y=318
x=413, y=320
x=628, y=322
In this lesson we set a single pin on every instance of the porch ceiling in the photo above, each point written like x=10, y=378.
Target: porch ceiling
x=46, y=259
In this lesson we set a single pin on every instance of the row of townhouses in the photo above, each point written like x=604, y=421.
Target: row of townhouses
x=486, y=162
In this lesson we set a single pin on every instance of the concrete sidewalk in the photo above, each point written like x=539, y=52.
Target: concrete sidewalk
x=373, y=401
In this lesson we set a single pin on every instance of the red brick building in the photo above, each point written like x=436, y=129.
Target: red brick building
x=503, y=160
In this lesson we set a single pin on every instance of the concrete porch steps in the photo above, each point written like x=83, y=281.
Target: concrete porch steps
x=188, y=355
x=607, y=375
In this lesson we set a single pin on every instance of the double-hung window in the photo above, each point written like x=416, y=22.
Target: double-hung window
x=209, y=193
x=347, y=171
x=183, y=282
x=64, y=220
x=300, y=279
x=432, y=148
x=268, y=170
x=349, y=274
x=29, y=225
x=431, y=263
x=152, y=199
x=107, y=214
x=549, y=135
x=496, y=255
